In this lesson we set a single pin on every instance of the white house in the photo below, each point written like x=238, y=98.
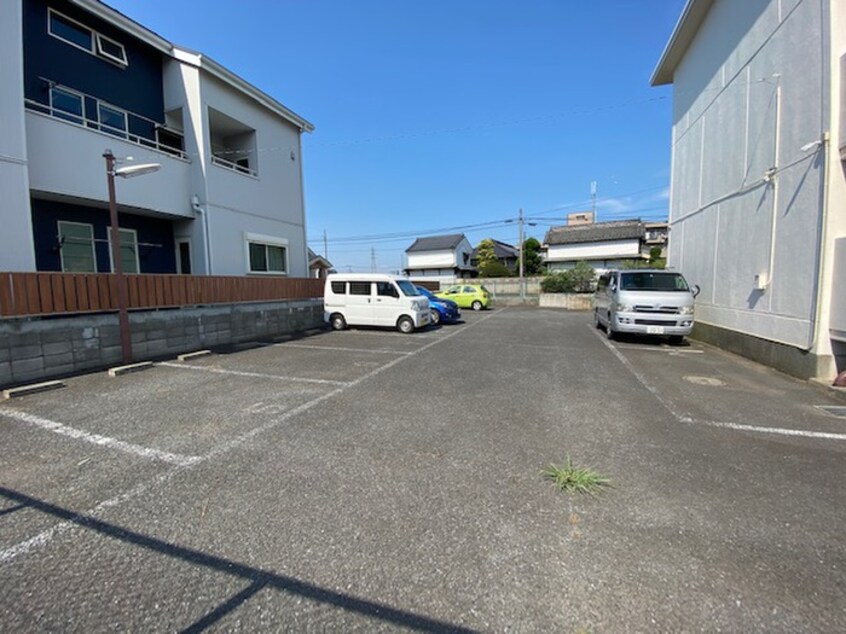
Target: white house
x=79, y=78
x=758, y=196
x=439, y=259
x=603, y=245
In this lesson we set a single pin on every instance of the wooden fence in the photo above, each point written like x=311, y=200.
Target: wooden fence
x=25, y=294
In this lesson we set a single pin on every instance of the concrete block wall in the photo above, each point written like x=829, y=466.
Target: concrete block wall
x=37, y=349
x=568, y=301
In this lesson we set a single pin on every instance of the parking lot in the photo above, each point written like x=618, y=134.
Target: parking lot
x=370, y=480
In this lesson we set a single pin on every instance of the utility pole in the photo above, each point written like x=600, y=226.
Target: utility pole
x=372, y=260
x=325, y=246
x=520, y=243
x=593, y=199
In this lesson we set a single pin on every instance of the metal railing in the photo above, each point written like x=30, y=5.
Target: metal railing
x=232, y=165
x=134, y=122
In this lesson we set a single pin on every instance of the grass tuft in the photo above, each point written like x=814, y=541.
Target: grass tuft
x=576, y=479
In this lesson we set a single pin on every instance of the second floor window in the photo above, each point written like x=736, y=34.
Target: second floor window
x=80, y=36
x=112, y=120
x=66, y=104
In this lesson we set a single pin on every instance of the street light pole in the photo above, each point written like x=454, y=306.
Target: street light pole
x=117, y=264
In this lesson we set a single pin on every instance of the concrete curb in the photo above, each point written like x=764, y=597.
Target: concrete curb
x=192, y=355
x=32, y=389
x=127, y=369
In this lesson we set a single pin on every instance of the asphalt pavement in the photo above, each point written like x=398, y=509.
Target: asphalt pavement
x=367, y=480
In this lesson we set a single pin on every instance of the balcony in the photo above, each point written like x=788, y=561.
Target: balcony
x=86, y=111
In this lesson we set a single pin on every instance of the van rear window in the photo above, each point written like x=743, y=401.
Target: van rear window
x=339, y=288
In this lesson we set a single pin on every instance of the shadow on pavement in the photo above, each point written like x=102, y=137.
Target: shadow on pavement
x=259, y=579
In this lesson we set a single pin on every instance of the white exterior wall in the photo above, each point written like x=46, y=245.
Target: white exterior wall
x=751, y=90
x=431, y=259
x=593, y=251
x=270, y=204
x=17, y=252
x=67, y=160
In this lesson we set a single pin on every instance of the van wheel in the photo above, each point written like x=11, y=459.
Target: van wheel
x=405, y=325
x=609, y=331
x=435, y=318
x=596, y=322
x=476, y=305
x=338, y=322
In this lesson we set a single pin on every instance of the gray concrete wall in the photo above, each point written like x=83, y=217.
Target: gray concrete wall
x=36, y=349
x=567, y=301
x=788, y=359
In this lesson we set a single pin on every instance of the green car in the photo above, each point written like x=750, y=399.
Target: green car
x=467, y=296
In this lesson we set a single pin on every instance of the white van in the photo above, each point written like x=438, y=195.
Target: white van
x=644, y=302
x=372, y=299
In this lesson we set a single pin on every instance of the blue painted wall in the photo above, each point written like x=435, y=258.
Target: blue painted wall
x=153, y=259
x=137, y=87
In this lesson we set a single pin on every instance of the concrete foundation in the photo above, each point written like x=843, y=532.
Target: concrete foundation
x=37, y=348
x=787, y=359
x=567, y=301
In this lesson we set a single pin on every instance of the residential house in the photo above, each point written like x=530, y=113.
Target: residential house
x=439, y=258
x=603, y=245
x=79, y=78
x=507, y=254
x=758, y=196
x=318, y=266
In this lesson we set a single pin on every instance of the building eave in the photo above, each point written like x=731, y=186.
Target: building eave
x=112, y=16
x=686, y=28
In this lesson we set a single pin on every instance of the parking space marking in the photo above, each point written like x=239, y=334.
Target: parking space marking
x=258, y=375
x=681, y=418
x=103, y=441
x=338, y=348
x=44, y=537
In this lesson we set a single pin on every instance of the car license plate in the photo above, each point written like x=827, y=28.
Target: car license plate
x=655, y=330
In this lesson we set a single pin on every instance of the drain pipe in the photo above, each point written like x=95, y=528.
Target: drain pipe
x=823, y=146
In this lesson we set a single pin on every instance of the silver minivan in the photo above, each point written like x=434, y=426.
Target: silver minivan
x=644, y=302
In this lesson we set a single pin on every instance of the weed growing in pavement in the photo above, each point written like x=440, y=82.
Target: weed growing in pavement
x=576, y=479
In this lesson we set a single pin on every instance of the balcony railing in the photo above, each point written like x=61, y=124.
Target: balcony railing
x=135, y=123
x=232, y=165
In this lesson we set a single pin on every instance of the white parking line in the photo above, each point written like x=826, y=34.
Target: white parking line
x=688, y=420
x=103, y=441
x=44, y=537
x=338, y=348
x=259, y=375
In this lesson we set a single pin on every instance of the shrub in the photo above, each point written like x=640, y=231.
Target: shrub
x=579, y=279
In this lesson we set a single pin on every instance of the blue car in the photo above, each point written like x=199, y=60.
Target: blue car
x=444, y=311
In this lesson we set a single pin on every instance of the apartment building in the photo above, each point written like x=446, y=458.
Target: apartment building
x=79, y=79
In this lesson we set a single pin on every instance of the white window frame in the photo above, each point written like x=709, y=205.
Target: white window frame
x=65, y=112
x=96, y=47
x=121, y=61
x=134, y=233
x=51, y=12
x=109, y=129
x=93, y=243
x=268, y=241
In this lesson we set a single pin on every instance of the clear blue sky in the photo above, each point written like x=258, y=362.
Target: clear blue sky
x=450, y=113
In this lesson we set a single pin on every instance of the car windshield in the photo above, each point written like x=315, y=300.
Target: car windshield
x=425, y=292
x=408, y=288
x=649, y=281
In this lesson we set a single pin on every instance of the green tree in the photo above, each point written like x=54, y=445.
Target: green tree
x=532, y=262
x=485, y=253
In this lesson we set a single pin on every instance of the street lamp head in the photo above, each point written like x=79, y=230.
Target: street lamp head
x=128, y=171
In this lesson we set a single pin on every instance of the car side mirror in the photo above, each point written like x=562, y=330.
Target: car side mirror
x=696, y=290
